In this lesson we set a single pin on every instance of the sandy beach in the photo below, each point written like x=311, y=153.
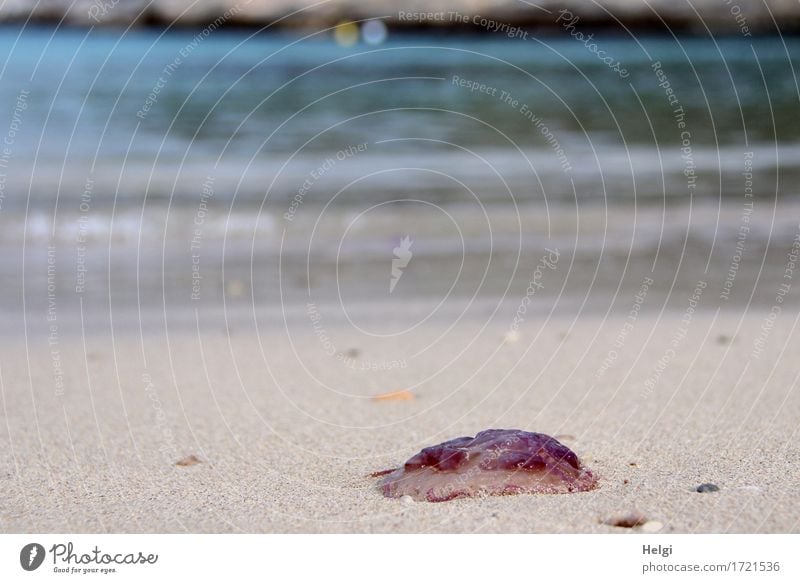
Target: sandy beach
x=287, y=434
x=220, y=245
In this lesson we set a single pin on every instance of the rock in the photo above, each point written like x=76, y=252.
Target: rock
x=189, y=460
x=630, y=520
x=751, y=15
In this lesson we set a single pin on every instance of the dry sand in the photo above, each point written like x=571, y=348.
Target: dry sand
x=280, y=452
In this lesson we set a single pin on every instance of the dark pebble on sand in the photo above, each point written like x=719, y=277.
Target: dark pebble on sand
x=707, y=488
x=630, y=520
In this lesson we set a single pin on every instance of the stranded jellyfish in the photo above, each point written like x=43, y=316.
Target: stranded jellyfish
x=494, y=462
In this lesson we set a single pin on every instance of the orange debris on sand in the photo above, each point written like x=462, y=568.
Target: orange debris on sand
x=401, y=395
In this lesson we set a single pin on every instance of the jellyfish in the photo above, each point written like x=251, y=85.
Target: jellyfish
x=493, y=463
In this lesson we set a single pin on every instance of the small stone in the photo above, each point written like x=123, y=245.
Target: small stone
x=652, y=526
x=708, y=487
x=630, y=520
x=407, y=500
x=189, y=460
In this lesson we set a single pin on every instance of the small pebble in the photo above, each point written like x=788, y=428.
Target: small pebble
x=652, y=526
x=707, y=488
x=630, y=520
x=407, y=500
x=188, y=461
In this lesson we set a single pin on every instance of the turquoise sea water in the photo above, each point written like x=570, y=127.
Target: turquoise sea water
x=155, y=113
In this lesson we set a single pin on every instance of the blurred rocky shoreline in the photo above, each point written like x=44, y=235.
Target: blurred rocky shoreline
x=740, y=17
